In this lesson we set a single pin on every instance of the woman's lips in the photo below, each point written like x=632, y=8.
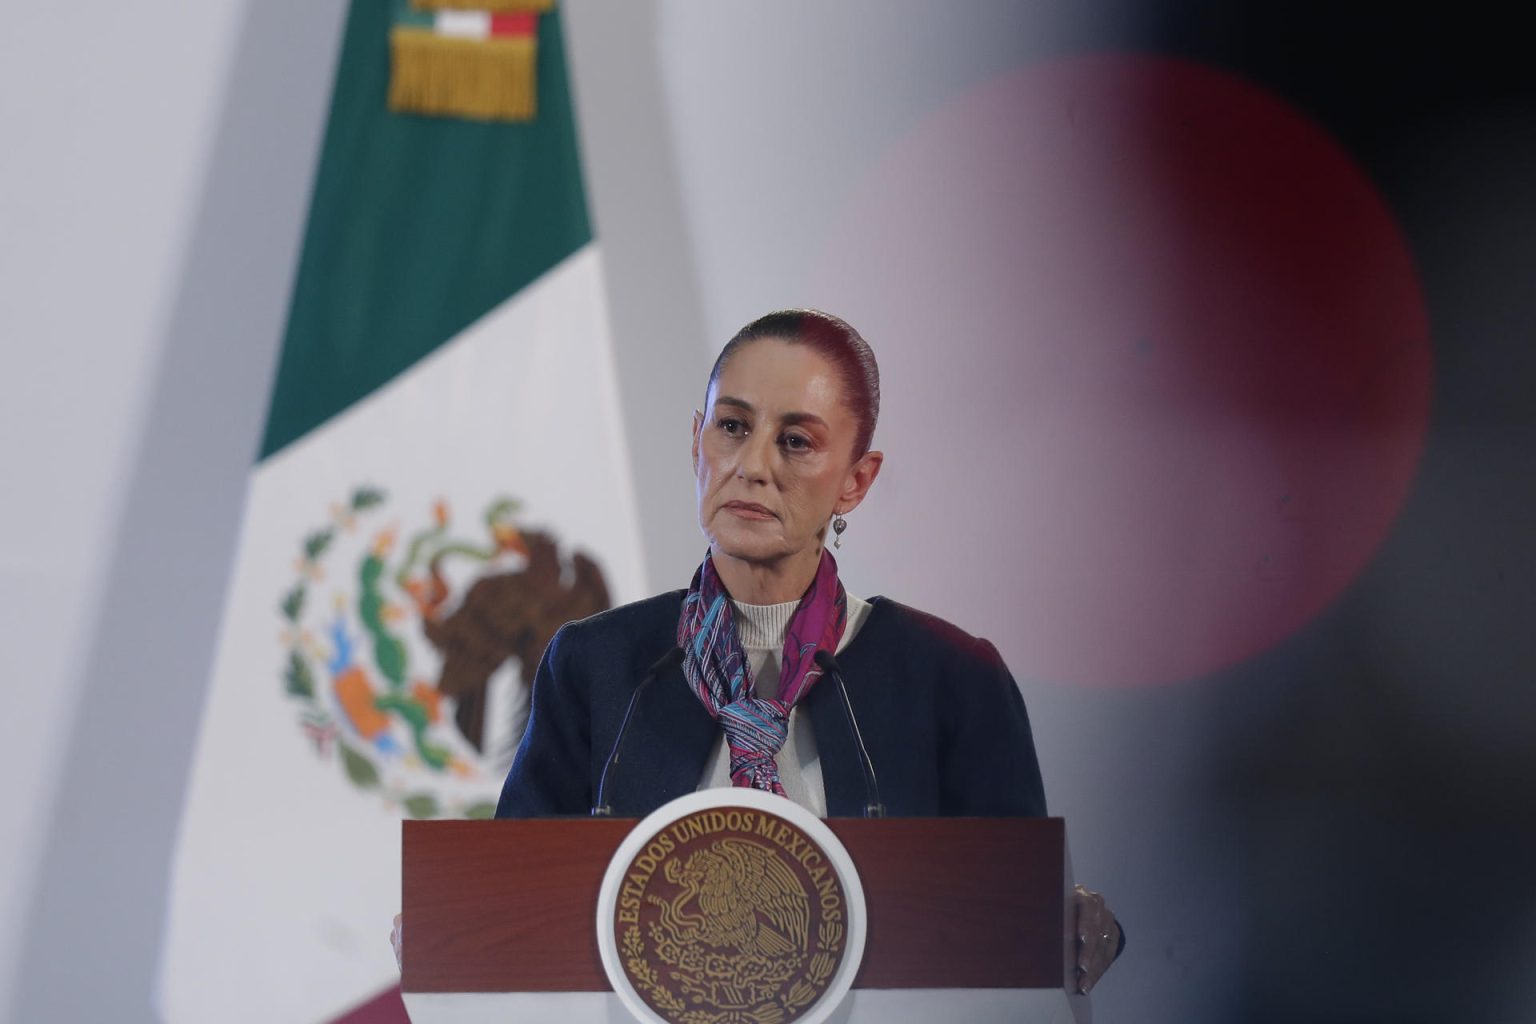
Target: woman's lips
x=748, y=510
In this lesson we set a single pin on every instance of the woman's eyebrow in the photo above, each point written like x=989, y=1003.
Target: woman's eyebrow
x=790, y=418
x=797, y=418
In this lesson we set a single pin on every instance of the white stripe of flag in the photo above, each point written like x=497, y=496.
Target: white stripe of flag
x=464, y=24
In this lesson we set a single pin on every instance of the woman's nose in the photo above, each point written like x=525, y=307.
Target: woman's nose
x=755, y=454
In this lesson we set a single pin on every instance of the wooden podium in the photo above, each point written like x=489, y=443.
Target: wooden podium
x=968, y=921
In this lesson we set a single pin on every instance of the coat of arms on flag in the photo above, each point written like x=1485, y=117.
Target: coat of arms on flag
x=410, y=650
x=466, y=58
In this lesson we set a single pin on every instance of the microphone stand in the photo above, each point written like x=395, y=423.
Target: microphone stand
x=873, y=808
x=667, y=661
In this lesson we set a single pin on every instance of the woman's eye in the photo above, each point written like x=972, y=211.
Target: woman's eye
x=795, y=443
x=733, y=427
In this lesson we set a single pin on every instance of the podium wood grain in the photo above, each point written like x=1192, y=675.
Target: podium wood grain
x=509, y=906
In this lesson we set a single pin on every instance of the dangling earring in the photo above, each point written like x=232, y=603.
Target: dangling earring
x=838, y=526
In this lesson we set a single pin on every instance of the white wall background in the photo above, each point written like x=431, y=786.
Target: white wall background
x=154, y=169
x=104, y=153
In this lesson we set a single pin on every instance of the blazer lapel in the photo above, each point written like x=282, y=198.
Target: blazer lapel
x=668, y=745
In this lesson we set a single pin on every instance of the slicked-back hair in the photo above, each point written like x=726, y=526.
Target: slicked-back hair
x=836, y=341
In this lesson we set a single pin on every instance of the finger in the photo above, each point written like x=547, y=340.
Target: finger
x=1090, y=906
x=1100, y=935
x=1092, y=924
x=1086, y=979
x=1088, y=975
x=1094, y=958
x=1088, y=954
x=1094, y=917
x=1096, y=949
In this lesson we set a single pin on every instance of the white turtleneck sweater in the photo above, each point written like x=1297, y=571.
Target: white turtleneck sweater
x=761, y=628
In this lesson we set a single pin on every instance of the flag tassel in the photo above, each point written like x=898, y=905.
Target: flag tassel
x=483, y=79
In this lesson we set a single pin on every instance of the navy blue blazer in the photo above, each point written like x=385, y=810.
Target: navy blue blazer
x=943, y=721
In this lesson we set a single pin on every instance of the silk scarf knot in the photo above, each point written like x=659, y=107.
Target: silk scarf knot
x=716, y=668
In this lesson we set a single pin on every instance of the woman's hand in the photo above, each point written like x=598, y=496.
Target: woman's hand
x=396, y=938
x=1098, y=937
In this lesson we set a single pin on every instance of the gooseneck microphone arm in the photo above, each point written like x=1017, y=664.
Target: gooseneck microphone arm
x=664, y=663
x=873, y=808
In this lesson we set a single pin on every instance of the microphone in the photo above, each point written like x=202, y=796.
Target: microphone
x=873, y=808
x=666, y=662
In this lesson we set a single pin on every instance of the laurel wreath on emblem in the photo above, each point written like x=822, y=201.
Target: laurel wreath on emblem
x=393, y=673
x=728, y=967
x=770, y=1011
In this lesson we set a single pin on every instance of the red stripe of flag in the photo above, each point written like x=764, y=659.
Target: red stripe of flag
x=514, y=23
x=385, y=1008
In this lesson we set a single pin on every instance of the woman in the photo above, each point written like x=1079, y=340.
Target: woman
x=781, y=451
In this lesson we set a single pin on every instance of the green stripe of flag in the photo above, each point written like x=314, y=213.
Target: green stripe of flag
x=417, y=227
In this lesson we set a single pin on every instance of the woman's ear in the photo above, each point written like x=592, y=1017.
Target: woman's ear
x=861, y=477
x=698, y=429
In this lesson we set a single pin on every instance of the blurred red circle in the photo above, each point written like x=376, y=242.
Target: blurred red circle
x=1195, y=367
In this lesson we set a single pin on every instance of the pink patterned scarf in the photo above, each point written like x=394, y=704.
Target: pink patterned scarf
x=716, y=666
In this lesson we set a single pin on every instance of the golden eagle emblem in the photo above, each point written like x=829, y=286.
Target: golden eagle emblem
x=737, y=894
x=730, y=916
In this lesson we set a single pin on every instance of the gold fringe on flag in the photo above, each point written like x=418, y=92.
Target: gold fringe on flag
x=482, y=79
x=483, y=5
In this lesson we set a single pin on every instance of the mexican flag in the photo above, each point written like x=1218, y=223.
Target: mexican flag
x=442, y=483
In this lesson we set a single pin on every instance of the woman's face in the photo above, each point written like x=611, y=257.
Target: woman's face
x=773, y=454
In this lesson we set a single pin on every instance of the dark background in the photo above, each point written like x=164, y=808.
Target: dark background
x=1378, y=775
